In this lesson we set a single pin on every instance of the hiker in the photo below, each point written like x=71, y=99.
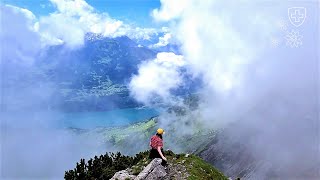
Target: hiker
x=156, y=144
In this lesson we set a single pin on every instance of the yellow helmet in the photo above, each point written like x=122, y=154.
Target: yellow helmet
x=160, y=131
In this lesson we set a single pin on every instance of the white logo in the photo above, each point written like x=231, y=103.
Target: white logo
x=297, y=15
x=294, y=39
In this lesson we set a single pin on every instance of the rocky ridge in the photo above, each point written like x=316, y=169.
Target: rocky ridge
x=180, y=167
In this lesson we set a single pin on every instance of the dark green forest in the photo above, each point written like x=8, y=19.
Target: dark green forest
x=103, y=167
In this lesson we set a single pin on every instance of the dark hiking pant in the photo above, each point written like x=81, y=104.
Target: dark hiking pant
x=155, y=154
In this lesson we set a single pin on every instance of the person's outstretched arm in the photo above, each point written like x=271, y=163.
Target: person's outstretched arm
x=162, y=156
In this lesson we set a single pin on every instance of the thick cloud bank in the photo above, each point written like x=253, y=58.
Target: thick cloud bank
x=32, y=144
x=157, y=78
x=270, y=92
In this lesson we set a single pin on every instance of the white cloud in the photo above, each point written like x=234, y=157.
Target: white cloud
x=163, y=41
x=73, y=7
x=169, y=59
x=156, y=78
x=136, y=32
x=18, y=36
x=206, y=38
x=170, y=10
x=58, y=28
x=28, y=14
x=74, y=18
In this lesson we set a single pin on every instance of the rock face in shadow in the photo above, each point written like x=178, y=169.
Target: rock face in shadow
x=228, y=155
x=241, y=151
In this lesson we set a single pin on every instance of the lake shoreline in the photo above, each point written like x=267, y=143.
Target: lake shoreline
x=108, y=119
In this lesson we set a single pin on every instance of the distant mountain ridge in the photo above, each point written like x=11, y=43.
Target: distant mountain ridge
x=89, y=78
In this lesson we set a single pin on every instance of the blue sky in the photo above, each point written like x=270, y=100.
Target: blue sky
x=129, y=11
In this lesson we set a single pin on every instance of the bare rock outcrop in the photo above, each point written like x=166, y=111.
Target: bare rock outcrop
x=123, y=175
x=154, y=170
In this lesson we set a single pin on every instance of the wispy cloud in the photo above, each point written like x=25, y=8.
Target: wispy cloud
x=163, y=41
x=21, y=40
x=73, y=19
x=157, y=78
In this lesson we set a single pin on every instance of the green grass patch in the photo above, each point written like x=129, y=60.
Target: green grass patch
x=199, y=169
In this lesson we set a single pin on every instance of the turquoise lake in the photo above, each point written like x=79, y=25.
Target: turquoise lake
x=118, y=117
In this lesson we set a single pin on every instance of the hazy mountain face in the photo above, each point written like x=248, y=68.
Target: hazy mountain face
x=92, y=77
